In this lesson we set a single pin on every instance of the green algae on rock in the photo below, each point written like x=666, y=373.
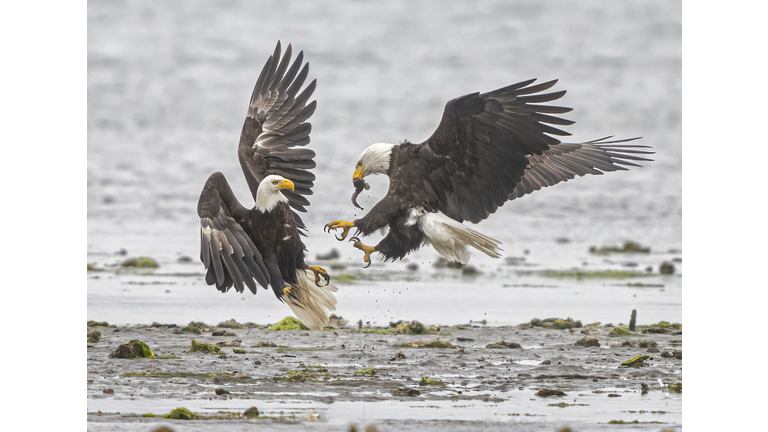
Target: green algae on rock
x=502, y=344
x=140, y=262
x=262, y=344
x=204, y=347
x=676, y=387
x=251, y=412
x=181, y=414
x=636, y=362
x=619, y=331
x=549, y=392
x=231, y=323
x=289, y=323
x=98, y=324
x=402, y=327
x=588, y=341
x=560, y=324
x=628, y=247
x=308, y=373
x=194, y=327
x=133, y=349
x=667, y=268
x=428, y=381
x=425, y=344
x=94, y=336
x=370, y=371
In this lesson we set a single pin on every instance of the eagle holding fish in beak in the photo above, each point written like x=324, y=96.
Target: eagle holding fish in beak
x=489, y=148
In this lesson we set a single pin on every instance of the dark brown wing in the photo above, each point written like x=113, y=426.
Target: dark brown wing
x=562, y=162
x=482, y=143
x=275, y=128
x=496, y=146
x=227, y=251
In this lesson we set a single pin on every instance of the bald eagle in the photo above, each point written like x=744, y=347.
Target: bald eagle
x=488, y=149
x=243, y=247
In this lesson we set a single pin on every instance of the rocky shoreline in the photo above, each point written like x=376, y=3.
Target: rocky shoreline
x=556, y=371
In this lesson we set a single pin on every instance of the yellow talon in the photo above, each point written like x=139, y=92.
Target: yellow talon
x=368, y=250
x=319, y=272
x=287, y=291
x=344, y=225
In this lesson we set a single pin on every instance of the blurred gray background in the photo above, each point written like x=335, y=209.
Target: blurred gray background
x=169, y=82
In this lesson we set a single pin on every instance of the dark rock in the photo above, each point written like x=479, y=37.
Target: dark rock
x=549, y=392
x=667, y=268
x=220, y=391
x=251, y=412
x=131, y=350
x=231, y=323
x=222, y=333
x=405, y=391
x=588, y=341
x=412, y=267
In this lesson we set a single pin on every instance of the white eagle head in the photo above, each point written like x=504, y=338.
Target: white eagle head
x=268, y=195
x=373, y=160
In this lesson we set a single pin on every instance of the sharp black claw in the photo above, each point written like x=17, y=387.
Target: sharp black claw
x=369, y=264
x=354, y=238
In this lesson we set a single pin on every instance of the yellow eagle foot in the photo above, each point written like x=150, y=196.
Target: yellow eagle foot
x=287, y=291
x=320, y=273
x=344, y=225
x=367, y=249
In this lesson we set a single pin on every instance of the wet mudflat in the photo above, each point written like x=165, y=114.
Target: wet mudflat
x=539, y=378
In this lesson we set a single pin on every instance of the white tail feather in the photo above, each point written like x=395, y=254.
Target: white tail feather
x=450, y=238
x=312, y=304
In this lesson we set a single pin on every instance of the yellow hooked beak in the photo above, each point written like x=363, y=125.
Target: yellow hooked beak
x=358, y=172
x=287, y=184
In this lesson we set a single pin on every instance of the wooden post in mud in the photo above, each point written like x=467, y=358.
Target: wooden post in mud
x=632, y=320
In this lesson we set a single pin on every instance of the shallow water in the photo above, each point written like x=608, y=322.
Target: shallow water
x=168, y=85
x=518, y=411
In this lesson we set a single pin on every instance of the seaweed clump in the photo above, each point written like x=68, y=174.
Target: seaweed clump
x=619, y=331
x=289, y=323
x=636, y=362
x=204, y=347
x=370, y=371
x=428, y=381
x=133, y=349
x=94, y=336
